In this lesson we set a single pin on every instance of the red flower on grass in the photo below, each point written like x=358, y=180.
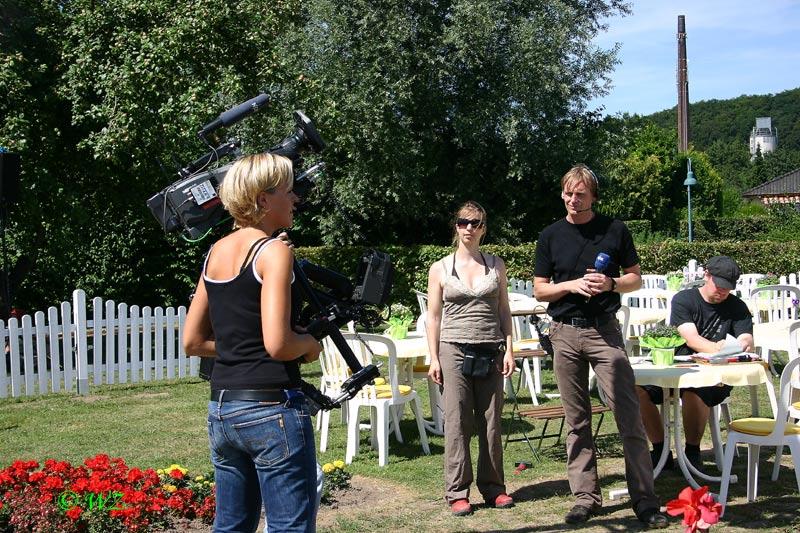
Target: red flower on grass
x=698, y=507
x=74, y=513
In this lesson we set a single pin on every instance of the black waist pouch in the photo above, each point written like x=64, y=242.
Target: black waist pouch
x=478, y=359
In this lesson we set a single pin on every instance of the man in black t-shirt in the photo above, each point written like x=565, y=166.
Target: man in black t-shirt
x=584, y=332
x=704, y=316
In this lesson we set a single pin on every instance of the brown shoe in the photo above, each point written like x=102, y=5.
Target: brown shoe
x=578, y=514
x=461, y=507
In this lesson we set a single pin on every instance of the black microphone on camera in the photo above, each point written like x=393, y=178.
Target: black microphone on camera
x=234, y=115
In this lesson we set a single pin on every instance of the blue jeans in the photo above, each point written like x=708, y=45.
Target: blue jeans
x=263, y=453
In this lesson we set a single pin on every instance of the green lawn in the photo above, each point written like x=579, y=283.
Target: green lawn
x=158, y=424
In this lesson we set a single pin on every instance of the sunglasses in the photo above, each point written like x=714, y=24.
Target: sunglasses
x=464, y=222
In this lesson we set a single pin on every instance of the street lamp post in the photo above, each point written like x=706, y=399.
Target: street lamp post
x=689, y=181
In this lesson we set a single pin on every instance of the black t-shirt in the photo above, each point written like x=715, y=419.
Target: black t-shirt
x=713, y=321
x=564, y=251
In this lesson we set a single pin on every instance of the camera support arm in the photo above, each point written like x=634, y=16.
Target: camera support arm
x=328, y=328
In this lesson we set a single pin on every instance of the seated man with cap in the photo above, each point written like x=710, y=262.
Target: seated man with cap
x=704, y=317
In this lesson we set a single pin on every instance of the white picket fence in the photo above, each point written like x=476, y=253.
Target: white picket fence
x=66, y=350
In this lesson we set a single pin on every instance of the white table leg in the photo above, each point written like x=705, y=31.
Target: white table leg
x=689, y=471
x=665, y=420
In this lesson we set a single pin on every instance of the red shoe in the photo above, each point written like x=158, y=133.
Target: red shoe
x=501, y=501
x=461, y=507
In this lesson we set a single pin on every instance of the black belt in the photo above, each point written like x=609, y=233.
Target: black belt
x=249, y=395
x=593, y=322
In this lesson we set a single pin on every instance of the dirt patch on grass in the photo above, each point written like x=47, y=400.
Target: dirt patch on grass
x=151, y=395
x=367, y=495
x=92, y=398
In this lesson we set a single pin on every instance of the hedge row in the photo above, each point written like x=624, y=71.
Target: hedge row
x=728, y=229
x=639, y=227
x=412, y=262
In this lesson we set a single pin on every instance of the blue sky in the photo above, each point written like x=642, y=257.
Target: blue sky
x=734, y=47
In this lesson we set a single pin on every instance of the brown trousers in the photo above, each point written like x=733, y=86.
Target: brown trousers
x=603, y=348
x=471, y=404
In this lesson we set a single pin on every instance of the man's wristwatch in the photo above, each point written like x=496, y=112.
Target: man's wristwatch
x=613, y=283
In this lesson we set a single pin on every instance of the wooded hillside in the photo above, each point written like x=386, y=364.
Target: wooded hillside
x=733, y=119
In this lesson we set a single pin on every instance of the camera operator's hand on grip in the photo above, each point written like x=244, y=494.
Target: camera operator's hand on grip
x=311, y=345
x=313, y=355
x=283, y=236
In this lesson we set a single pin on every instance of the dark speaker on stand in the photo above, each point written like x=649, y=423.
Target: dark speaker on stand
x=9, y=189
x=9, y=177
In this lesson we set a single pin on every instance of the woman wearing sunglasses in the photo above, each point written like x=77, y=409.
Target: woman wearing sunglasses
x=469, y=337
x=262, y=441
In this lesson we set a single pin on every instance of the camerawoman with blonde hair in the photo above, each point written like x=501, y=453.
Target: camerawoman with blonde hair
x=262, y=442
x=469, y=338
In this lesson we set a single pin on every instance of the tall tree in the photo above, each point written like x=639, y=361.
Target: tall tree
x=646, y=179
x=431, y=103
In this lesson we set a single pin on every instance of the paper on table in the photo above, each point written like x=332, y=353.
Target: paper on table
x=730, y=348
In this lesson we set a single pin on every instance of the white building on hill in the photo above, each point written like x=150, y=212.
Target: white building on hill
x=763, y=136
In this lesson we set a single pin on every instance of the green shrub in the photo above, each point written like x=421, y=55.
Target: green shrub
x=723, y=229
x=639, y=227
x=781, y=224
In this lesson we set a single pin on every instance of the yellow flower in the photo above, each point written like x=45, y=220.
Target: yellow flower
x=160, y=472
x=199, y=478
x=174, y=466
x=328, y=468
x=169, y=488
x=338, y=463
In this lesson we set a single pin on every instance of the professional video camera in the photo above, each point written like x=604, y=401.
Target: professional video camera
x=192, y=206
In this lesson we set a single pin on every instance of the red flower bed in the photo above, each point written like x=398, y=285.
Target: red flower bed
x=102, y=494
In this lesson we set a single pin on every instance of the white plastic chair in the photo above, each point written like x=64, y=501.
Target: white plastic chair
x=334, y=372
x=521, y=331
x=422, y=300
x=772, y=303
x=794, y=406
x=643, y=304
x=757, y=432
x=654, y=281
x=434, y=394
x=382, y=400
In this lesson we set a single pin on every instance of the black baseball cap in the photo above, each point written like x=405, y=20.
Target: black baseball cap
x=724, y=271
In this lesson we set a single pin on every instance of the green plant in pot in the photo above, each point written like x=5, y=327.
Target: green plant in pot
x=398, y=318
x=769, y=279
x=662, y=341
x=675, y=281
